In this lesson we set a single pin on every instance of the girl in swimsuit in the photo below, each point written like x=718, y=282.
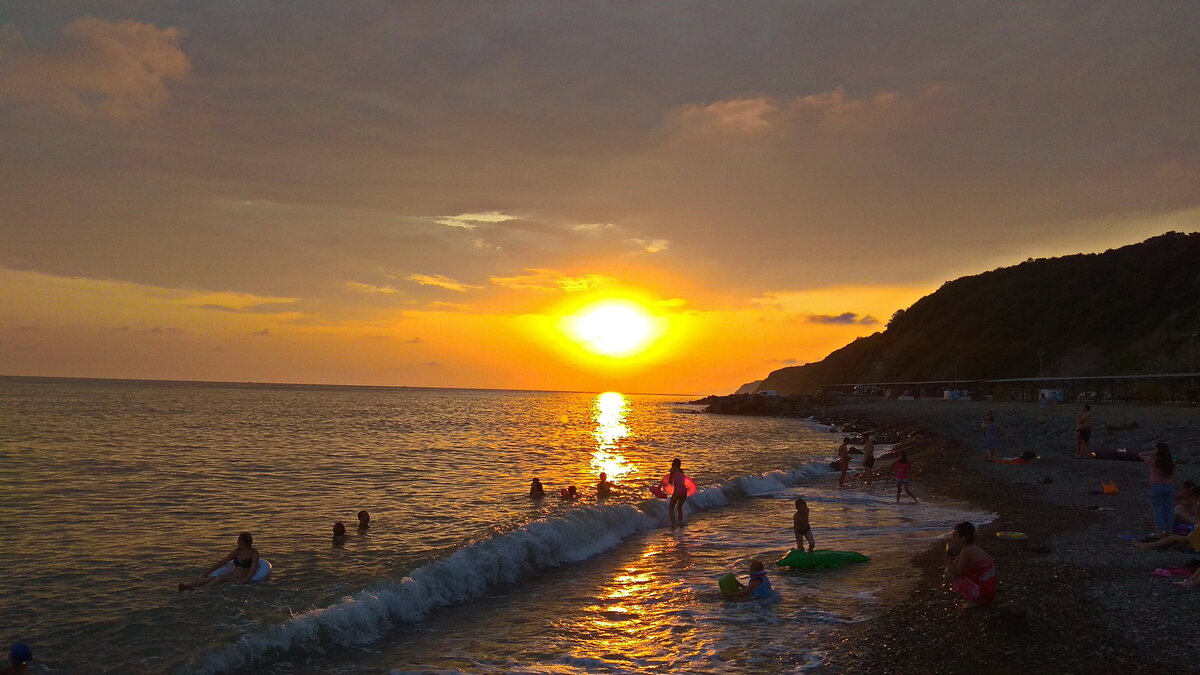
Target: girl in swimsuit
x=972, y=572
x=678, y=482
x=244, y=559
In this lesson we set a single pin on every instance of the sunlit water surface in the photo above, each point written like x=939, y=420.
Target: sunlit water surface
x=113, y=492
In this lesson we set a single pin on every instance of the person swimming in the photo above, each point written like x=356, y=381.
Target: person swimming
x=339, y=533
x=758, y=588
x=536, y=491
x=245, y=562
x=604, y=487
x=569, y=493
x=18, y=657
x=364, y=520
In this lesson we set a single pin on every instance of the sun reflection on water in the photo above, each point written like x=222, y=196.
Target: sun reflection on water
x=609, y=410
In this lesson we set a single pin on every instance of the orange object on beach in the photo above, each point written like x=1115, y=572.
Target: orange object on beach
x=1110, y=488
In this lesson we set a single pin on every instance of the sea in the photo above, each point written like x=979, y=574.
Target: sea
x=113, y=492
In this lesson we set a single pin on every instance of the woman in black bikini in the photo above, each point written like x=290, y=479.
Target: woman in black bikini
x=244, y=559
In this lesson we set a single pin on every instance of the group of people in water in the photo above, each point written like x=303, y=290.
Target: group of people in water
x=245, y=559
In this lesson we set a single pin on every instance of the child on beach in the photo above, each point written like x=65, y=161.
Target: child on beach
x=801, y=526
x=991, y=436
x=868, y=457
x=972, y=572
x=902, y=467
x=759, y=587
x=843, y=460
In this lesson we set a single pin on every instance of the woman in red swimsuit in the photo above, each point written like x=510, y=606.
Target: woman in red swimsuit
x=972, y=572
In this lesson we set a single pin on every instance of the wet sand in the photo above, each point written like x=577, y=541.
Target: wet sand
x=1073, y=597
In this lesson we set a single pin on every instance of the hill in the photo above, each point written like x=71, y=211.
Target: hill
x=1131, y=310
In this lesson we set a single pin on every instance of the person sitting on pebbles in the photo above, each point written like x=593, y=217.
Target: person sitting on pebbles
x=972, y=571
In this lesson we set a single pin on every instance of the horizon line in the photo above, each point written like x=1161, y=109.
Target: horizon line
x=327, y=385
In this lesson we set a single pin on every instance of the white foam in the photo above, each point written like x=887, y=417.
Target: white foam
x=470, y=572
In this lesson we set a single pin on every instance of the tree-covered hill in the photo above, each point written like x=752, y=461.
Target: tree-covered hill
x=1131, y=310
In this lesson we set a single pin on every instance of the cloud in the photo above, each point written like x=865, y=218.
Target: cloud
x=241, y=303
x=368, y=288
x=266, y=332
x=847, y=319
x=441, y=282
x=832, y=111
x=651, y=245
x=550, y=280
x=470, y=221
x=96, y=68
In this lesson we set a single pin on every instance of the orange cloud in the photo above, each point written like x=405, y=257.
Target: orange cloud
x=441, y=282
x=98, y=68
x=550, y=280
x=833, y=110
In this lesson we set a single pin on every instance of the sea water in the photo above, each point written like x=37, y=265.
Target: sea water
x=113, y=492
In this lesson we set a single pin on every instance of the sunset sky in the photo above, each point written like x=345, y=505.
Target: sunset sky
x=417, y=193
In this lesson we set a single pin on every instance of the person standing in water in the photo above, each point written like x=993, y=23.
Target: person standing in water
x=902, y=467
x=868, y=456
x=843, y=460
x=678, y=482
x=802, y=527
x=536, y=491
x=603, y=487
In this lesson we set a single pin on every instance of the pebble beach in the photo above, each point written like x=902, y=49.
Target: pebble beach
x=1073, y=597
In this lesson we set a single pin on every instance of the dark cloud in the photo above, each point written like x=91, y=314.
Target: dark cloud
x=847, y=318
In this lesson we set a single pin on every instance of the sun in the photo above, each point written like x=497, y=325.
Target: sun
x=616, y=328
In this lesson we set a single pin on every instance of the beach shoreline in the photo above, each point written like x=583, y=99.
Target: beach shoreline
x=1073, y=596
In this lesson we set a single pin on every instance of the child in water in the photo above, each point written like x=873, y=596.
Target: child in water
x=759, y=587
x=536, y=491
x=604, y=487
x=902, y=467
x=364, y=520
x=802, y=528
x=339, y=533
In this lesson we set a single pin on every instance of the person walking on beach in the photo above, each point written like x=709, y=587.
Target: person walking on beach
x=843, y=460
x=1083, y=432
x=991, y=436
x=868, y=457
x=1162, y=490
x=802, y=527
x=902, y=467
x=972, y=571
x=678, y=482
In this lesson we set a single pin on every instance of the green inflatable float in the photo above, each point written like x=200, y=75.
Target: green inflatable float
x=728, y=584
x=820, y=558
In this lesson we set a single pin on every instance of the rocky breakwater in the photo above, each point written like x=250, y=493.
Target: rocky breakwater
x=795, y=405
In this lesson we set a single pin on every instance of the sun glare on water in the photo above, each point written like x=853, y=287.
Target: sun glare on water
x=613, y=328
